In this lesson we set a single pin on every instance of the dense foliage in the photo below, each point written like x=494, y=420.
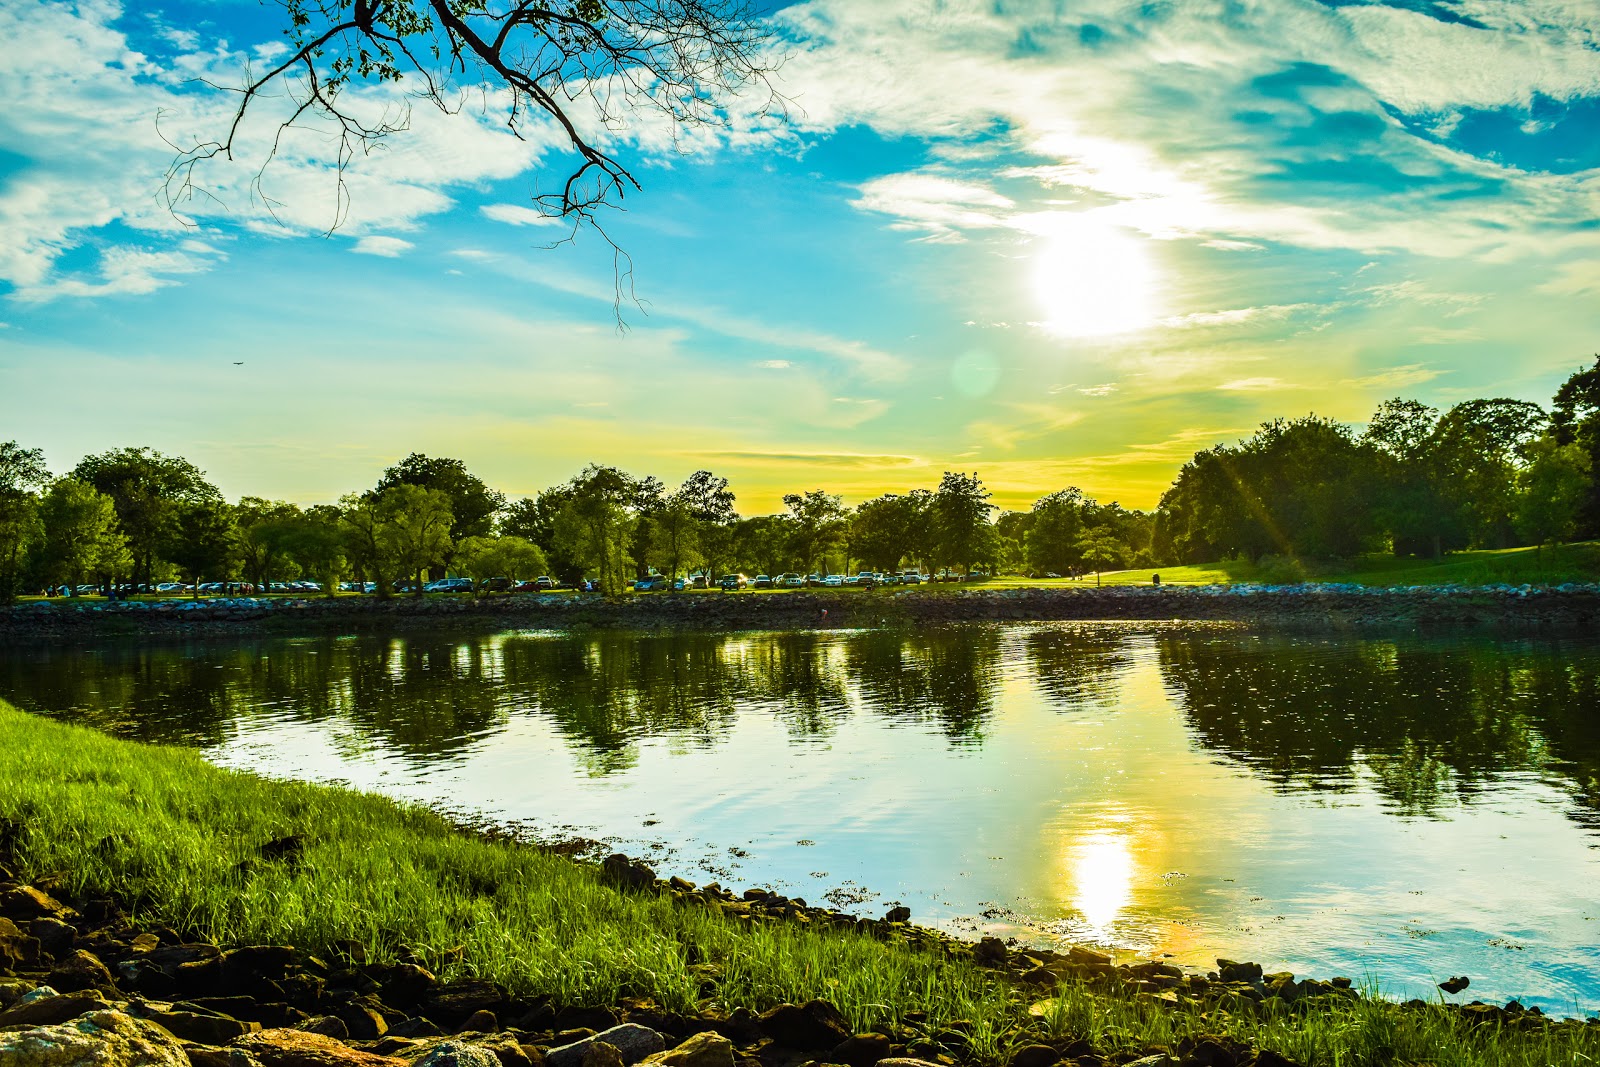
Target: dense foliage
x=1415, y=481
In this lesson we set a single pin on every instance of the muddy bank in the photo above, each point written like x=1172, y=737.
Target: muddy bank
x=1567, y=608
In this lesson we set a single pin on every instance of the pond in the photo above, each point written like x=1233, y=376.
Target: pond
x=1393, y=810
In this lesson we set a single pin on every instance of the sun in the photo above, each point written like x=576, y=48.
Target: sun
x=1094, y=279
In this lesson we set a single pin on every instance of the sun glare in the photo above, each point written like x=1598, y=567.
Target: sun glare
x=1102, y=870
x=1094, y=279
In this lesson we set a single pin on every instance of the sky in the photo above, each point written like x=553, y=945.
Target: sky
x=1055, y=242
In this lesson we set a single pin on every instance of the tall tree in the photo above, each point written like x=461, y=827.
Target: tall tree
x=1052, y=543
x=267, y=532
x=816, y=517
x=961, y=515
x=594, y=526
x=318, y=546
x=712, y=504
x=886, y=530
x=22, y=471
x=1552, y=490
x=1480, y=445
x=146, y=487
x=204, y=541
x=417, y=524
x=82, y=539
x=472, y=502
x=507, y=556
x=1575, y=419
x=368, y=546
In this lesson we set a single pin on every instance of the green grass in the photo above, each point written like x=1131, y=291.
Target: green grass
x=166, y=833
x=1513, y=566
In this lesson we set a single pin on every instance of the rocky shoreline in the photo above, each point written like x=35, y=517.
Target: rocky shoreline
x=1566, y=608
x=81, y=984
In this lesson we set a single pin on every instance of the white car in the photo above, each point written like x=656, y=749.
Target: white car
x=833, y=581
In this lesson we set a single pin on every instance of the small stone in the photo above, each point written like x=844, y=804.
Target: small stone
x=861, y=1050
x=1035, y=1056
x=481, y=1021
x=704, y=1049
x=102, y=1039
x=203, y=1029
x=632, y=1041
x=1456, y=984
x=328, y=1026
x=296, y=1048
x=55, y=937
x=816, y=1025
x=598, y=1053
x=17, y=949
x=899, y=914
x=456, y=1054
x=81, y=970
x=26, y=902
x=52, y=1010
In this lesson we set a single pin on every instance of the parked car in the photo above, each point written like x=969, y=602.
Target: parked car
x=497, y=585
x=700, y=581
x=449, y=585
x=832, y=581
x=651, y=583
x=911, y=578
x=544, y=581
x=762, y=581
x=730, y=582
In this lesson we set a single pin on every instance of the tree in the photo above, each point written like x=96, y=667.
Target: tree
x=204, y=541
x=677, y=535
x=816, y=518
x=472, y=502
x=886, y=529
x=1551, y=491
x=578, y=69
x=22, y=471
x=416, y=523
x=961, y=516
x=1101, y=550
x=1052, y=540
x=146, y=488
x=1479, y=447
x=594, y=526
x=481, y=558
x=81, y=535
x=318, y=546
x=1575, y=419
x=368, y=546
x=267, y=532
x=711, y=503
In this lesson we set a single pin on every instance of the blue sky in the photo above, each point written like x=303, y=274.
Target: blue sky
x=1058, y=243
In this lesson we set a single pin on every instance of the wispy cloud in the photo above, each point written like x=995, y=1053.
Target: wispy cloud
x=388, y=247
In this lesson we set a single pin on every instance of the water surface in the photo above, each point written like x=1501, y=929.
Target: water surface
x=1402, y=810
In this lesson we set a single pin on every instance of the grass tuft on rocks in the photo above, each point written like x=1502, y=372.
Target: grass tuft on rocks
x=178, y=842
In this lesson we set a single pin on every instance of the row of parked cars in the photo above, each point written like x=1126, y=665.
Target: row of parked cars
x=865, y=579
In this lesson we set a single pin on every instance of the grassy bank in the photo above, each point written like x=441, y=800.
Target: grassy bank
x=178, y=842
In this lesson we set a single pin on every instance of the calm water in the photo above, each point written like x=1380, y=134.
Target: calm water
x=1403, y=810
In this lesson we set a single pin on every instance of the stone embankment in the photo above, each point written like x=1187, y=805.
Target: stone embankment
x=1572, y=607
x=81, y=986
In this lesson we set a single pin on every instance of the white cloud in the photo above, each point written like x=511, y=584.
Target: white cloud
x=1254, y=385
x=388, y=247
x=518, y=215
x=774, y=364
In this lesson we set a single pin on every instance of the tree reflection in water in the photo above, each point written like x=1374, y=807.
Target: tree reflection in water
x=1428, y=723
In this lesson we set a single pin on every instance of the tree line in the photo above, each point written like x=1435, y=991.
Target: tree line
x=1415, y=481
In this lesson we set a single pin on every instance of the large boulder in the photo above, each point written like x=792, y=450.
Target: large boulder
x=102, y=1039
x=814, y=1025
x=52, y=1008
x=17, y=949
x=456, y=1054
x=81, y=970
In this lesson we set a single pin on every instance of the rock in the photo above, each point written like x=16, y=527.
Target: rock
x=989, y=950
x=1267, y=1058
x=506, y=1050
x=704, y=1049
x=863, y=1050
x=481, y=1021
x=81, y=970
x=456, y=1054
x=632, y=1041
x=103, y=1039
x=53, y=1009
x=1160, y=1059
x=816, y=1025
x=201, y=1028
x=328, y=1026
x=296, y=1048
x=1035, y=1056
x=899, y=914
x=1456, y=984
x=362, y=1018
x=600, y=1054
x=907, y=1061
x=17, y=949
x=627, y=872
x=26, y=902
x=13, y=990
x=205, y=1056
x=1229, y=971
x=1040, y=975
x=404, y=984
x=452, y=1004
x=417, y=1027
x=55, y=937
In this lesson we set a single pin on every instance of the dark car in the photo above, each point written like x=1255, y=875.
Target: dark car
x=651, y=583
x=762, y=581
x=731, y=582
x=497, y=585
